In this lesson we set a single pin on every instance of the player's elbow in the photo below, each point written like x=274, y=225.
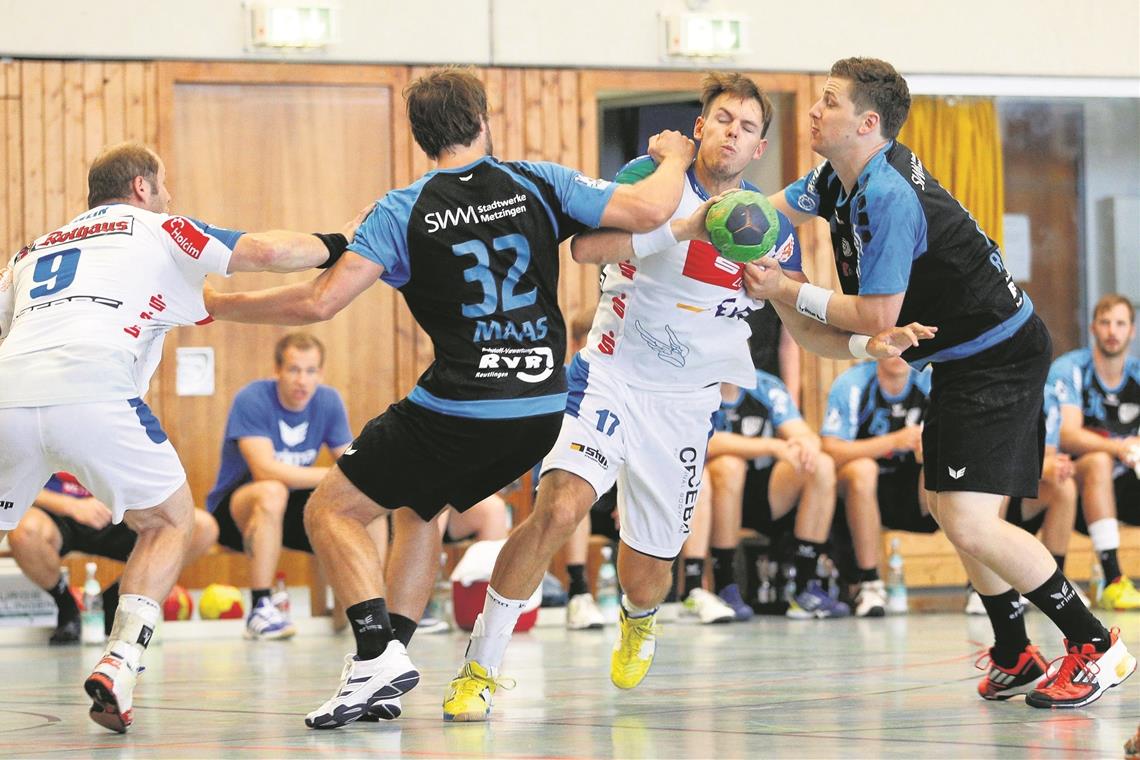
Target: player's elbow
x=584, y=250
x=650, y=215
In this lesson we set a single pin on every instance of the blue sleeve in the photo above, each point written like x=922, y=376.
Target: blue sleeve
x=580, y=197
x=383, y=236
x=922, y=379
x=251, y=415
x=787, y=250
x=1065, y=379
x=772, y=393
x=1052, y=418
x=226, y=237
x=841, y=420
x=816, y=192
x=720, y=421
x=891, y=226
x=338, y=433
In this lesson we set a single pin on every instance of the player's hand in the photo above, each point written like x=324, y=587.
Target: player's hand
x=908, y=438
x=762, y=279
x=671, y=144
x=801, y=454
x=894, y=340
x=693, y=227
x=1063, y=468
x=349, y=229
x=1128, y=451
x=92, y=513
x=209, y=297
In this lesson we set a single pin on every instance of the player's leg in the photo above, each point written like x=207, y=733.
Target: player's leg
x=1101, y=507
x=858, y=483
x=645, y=580
x=411, y=569
x=37, y=544
x=727, y=475
x=258, y=510
x=582, y=611
x=486, y=521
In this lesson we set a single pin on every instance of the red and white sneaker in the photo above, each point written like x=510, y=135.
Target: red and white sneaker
x=1084, y=674
x=1002, y=683
x=111, y=688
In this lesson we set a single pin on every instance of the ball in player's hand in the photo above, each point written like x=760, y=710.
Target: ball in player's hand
x=743, y=226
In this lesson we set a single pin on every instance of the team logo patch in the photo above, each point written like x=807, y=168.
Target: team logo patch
x=806, y=202
x=591, y=453
x=591, y=182
x=784, y=252
x=83, y=232
x=703, y=263
x=189, y=239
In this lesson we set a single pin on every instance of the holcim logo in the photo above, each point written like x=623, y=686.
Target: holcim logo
x=186, y=236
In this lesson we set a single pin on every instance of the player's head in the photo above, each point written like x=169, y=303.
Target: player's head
x=735, y=114
x=447, y=109
x=864, y=100
x=1113, y=325
x=128, y=173
x=580, y=325
x=300, y=362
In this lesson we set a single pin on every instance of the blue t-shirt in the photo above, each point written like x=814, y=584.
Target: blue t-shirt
x=858, y=408
x=1114, y=412
x=297, y=436
x=758, y=412
x=1052, y=417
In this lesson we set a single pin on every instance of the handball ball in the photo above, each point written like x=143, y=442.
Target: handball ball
x=221, y=602
x=178, y=605
x=743, y=226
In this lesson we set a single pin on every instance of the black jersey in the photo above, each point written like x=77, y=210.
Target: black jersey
x=901, y=231
x=474, y=250
x=758, y=412
x=1113, y=412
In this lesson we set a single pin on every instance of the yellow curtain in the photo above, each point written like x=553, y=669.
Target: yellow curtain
x=959, y=141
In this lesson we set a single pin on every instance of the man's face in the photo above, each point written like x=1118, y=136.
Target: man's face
x=1112, y=331
x=298, y=376
x=158, y=197
x=730, y=135
x=834, y=119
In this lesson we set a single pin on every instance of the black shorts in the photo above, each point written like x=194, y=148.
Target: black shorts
x=113, y=542
x=899, y=507
x=756, y=510
x=602, y=521
x=1014, y=514
x=1126, y=489
x=413, y=457
x=293, y=534
x=985, y=427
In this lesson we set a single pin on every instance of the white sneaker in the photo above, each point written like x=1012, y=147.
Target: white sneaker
x=265, y=621
x=974, y=604
x=385, y=709
x=365, y=684
x=583, y=613
x=111, y=687
x=871, y=600
x=707, y=607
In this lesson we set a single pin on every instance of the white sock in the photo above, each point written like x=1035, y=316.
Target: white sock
x=635, y=612
x=493, y=628
x=135, y=620
x=1105, y=534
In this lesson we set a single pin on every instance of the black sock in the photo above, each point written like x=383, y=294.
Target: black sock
x=1007, y=616
x=694, y=574
x=806, y=558
x=371, y=627
x=1057, y=599
x=257, y=594
x=724, y=567
x=578, y=584
x=1110, y=565
x=402, y=628
x=110, y=606
x=64, y=602
x=866, y=576
x=1060, y=560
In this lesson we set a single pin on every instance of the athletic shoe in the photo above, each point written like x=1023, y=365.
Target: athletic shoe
x=974, y=604
x=582, y=613
x=707, y=607
x=814, y=602
x=364, y=684
x=67, y=632
x=470, y=693
x=1002, y=683
x=385, y=709
x=111, y=688
x=1121, y=594
x=633, y=652
x=1084, y=674
x=265, y=621
x=730, y=595
x=432, y=624
x=871, y=599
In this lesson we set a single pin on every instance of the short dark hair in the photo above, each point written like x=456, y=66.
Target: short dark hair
x=876, y=86
x=716, y=84
x=1111, y=301
x=302, y=341
x=113, y=171
x=446, y=107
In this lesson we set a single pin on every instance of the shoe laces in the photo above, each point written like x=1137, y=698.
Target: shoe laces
x=1069, y=664
x=470, y=682
x=637, y=631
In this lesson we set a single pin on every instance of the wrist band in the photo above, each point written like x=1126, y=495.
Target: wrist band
x=857, y=345
x=336, y=243
x=654, y=241
x=812, y=300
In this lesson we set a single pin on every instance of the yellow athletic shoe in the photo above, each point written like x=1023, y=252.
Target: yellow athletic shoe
x=633, y=652
x=1120, y=595
x=469, y=694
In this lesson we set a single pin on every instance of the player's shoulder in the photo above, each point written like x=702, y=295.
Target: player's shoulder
x=1078, y=359
x=766, y=383
x=859, y=375
x=256, y=392
x=328, y=395
x=890, y=179
x=636, y=170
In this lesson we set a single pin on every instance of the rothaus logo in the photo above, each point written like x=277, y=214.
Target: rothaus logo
x=691, y=480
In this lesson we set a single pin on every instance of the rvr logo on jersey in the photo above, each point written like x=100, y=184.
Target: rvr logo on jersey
x=531, y=365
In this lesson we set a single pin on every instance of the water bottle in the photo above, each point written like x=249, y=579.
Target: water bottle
x=1096, y=579
x=91, y=622
x=608, y=601
x=441, y=606
x=765, y=594
x=896, y=583
x=789, y=594
x=280, y=597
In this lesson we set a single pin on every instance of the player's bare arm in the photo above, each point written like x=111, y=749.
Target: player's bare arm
x=607, y=246
x=1078, y=440
x=286, y=251
x=876, y=447
x=263, y=465
x=648, y=204
x=794, y=215
x=743, y=446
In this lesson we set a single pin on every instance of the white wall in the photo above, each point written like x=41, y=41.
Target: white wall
x=1003, y=37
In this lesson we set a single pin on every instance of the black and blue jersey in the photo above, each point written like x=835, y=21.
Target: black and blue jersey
x=758, y=412
x=900, y=231
x=1113, y=412
x=474, y=250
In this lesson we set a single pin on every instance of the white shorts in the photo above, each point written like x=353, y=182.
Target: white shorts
x=652, y=443
x=116, y=449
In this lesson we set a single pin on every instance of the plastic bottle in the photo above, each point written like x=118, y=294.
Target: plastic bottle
x=91, y=622
x=608, y=601
x=441, y=606
x=896, y=582
x=1096, y=579
x=765, y=594
x=281, y=594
